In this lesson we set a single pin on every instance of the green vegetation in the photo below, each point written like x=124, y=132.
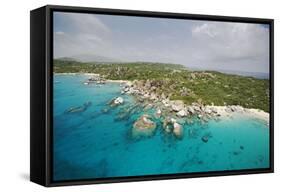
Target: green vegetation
x=180, y=83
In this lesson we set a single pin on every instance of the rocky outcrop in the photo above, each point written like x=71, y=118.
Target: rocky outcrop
x=96, y=78
x=168, y=124
x=158, y=113
x=144, y=126
x=116, y=101
x=172, y=125
x=182, y=113
x=177, y=105
x=235, y=108
x=149, y=93
x=177, y=130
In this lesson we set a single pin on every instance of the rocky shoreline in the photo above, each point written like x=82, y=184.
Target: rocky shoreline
x=174, y=114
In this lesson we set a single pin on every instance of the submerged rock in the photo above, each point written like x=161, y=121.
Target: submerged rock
x=236, y=152
x=75, y=110
x=87, y=104
x=192, y=133
x=79, y=109
x=144, y=126
x=105, y=110
x=205, y=138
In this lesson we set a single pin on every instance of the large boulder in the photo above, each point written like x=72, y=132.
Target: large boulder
x=208, y=110
x=153, y=96
x=147, y=84
x=190, y=109
x=166, y=102
x=129, y=84
x=182, y=113
x=177, y=105
x=168, y=124
x=119, y=100
x=178, y=132
x=116, y=101
x=144, y=126
x=158, y=113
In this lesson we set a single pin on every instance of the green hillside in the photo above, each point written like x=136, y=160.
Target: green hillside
x=180, y=83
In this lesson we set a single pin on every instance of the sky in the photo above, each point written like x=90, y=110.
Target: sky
x=195, y=44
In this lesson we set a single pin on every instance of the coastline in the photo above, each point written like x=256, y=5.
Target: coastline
x=245, y=112
x=260, y=114
x=117, y=81
x=221, y=111
x=88, y=74
x=94, y=74
x=182, y=110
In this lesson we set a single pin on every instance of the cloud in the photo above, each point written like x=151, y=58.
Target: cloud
x=231, y=45
x=59, y=33
x=76, y=34
x=196, y=44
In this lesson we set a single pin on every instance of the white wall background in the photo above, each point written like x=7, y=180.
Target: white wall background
x=14, y=94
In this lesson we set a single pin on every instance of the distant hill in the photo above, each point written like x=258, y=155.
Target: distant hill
x=66, y=59
x=93, y=58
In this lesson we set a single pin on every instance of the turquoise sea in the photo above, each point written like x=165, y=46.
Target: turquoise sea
x=96, y=142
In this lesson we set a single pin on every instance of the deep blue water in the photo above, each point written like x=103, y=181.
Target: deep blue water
x=95, y=143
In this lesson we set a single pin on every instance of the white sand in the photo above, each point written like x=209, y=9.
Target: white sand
x=260, y=114
x=255, y=113
x=117, y=81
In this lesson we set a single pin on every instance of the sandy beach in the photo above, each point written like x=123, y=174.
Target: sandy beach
x=117, y=81
x=254, y=113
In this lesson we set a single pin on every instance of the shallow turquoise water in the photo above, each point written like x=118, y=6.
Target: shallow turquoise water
x=97, y=144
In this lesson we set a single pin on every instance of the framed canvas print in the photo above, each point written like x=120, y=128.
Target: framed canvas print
x=121, y=95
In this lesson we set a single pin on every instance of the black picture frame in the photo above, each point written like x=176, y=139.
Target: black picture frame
x=41, y=88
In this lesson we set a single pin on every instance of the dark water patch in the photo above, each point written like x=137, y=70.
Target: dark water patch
x=66, y=170
x=200, y=162
x=260, y=158
x=236, y=153
x=205, y=138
